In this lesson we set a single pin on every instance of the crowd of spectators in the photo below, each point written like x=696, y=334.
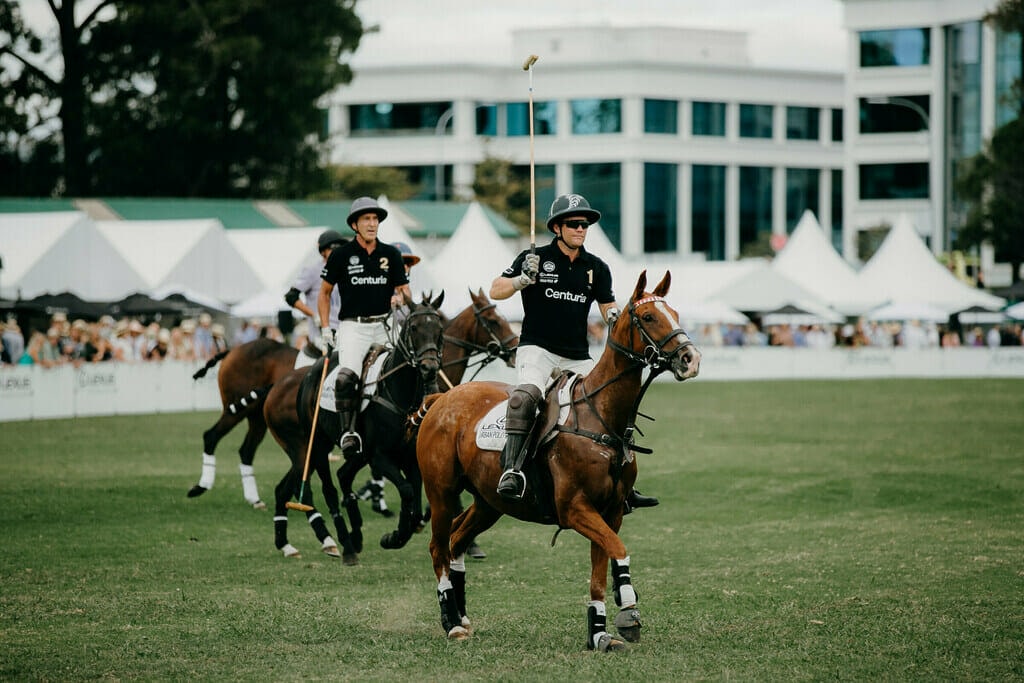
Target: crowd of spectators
x=77, y=341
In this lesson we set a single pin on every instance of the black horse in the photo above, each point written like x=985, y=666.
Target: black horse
x=408, y=373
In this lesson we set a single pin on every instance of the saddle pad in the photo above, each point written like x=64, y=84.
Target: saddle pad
x=327, y=392
x=490, y=430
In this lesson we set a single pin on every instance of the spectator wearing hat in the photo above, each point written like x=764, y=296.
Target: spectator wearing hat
x=203, y=337
x=180, y=346
x=162, y=349
x=304, y=292
x=371, y=280
x=220, y=340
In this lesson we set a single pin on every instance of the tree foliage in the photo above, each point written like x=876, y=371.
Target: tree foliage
x=498, y=186
x=187, y=98
x=993, y=180
x=346, y=182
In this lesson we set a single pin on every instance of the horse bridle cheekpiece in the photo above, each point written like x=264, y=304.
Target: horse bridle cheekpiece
x=411, y=355
x=653, y=355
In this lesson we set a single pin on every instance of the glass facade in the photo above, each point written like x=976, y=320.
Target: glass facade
x=755, y=203
x=755, y=121
x=894, y=181
x=900, y=114
x=660, y=202
x=896, y=47
x=601, y=184
x=1008, y=70
x=709, y=118
x=590, y=117
x=545, y=118
x=661, y=116
x=963, y=115
x=802, y=123
x=837, y=209
x=487, y=119
x=801, y=194
x=385, y=118
x=708, y=214
x=837, y=125
x=544, y=178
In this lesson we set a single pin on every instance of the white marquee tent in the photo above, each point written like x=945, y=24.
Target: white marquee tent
x=62, y=251
x=810, y=260
x=904, y=270
x=764, y=289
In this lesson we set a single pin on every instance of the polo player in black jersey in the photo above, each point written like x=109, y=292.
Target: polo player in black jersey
x=558, y=284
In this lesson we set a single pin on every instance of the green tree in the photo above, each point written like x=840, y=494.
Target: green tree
x=993, y=180
x=498, y=186
x=348, y=182
x=190, y=98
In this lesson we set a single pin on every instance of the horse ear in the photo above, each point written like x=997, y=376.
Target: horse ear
x=436, y=303
x=473, y=296
x=662, y=288
x=641, y=284
x=480, y=293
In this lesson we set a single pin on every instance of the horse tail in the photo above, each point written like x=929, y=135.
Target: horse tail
x=201, y=372
x=253, y=398
x=413, y=421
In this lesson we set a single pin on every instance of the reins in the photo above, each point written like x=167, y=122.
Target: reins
x=494, y=349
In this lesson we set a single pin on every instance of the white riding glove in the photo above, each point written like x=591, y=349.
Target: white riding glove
x=326, y=340
x=531, y=265
x=612, y=316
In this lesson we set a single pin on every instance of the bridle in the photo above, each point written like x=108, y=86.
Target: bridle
x=653, y=354
x=410, y=356
x=495, y=348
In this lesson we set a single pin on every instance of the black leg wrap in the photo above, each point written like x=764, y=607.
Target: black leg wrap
x=280, y=533
x=459, y=588
x=596, y=623
x=316, y=521
x=450, y=617
x=355, y=518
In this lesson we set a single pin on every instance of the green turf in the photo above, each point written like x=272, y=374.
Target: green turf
x=862, y=530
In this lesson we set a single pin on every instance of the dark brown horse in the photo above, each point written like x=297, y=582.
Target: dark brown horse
x=580, y=475
x=474, y=338
x=244, y=374
x=409, y=372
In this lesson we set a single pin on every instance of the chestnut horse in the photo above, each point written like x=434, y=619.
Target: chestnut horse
x=408, y=373
x=475, y=337
x=245, y=372
x=579, y=477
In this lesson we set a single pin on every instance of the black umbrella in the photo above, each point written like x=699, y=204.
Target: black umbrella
x=66, y=302
x=141, y=304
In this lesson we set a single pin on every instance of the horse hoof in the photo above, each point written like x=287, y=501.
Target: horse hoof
x=350, y=559
x=291, y=552
x=332, y=551
x=197, y=490
x=609, y=643
x=392, y=541
x=627, y=622
x=259, y=505
x=357, y=541
x=458, y=633
x=476, y=552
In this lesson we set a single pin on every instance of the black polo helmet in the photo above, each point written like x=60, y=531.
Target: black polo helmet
x=329, y=238
x=571, y=205
x=365, y=205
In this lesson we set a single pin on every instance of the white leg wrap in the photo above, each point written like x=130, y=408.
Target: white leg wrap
x=209, y=471
x=249, y=484
x=627, y=595
x=458, y=564
x=328, y=543
x=598, y=606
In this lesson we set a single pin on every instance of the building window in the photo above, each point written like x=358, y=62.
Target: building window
x=963, y=79
x=601, y=184
x=426, y=182
x=755, y=121
x=1008, y=70
x=902, y=114
x=709, y=118
x=708, y=215
x=661, y=116
x=837, y=125
x=544, y=179
x=802, y=123
x=487, y=119
x=660, y=201
x=755, y=204
x=894, y=181
x=545, y=118
x=897, y=47
x=837, y=209
x=385, y=118
x=801, y=194
x=590, y=117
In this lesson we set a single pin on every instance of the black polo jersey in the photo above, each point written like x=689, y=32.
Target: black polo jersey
x=365, y=281
x=557, y=305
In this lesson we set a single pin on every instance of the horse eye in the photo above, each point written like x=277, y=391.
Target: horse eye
x=648, y=317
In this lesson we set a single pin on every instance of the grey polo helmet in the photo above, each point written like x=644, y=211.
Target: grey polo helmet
x=329, y=238
x=571, y=205
x=365, y=205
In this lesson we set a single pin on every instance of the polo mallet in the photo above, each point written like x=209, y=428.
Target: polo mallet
x=528, y=67
x=302, y=507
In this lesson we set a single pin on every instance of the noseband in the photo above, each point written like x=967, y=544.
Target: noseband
x=494, y=348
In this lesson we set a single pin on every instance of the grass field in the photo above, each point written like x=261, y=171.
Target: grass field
x=863, y=530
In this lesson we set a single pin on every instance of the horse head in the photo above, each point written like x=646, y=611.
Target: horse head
x=493, y=331
x=649, y=331
x=422, y=338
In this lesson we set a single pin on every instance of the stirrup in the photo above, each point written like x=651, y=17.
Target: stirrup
x=351, y=443
x=512, y=485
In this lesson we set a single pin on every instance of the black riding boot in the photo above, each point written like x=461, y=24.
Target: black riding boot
x=635, y=500
x=519, y=417
x=346, y=398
